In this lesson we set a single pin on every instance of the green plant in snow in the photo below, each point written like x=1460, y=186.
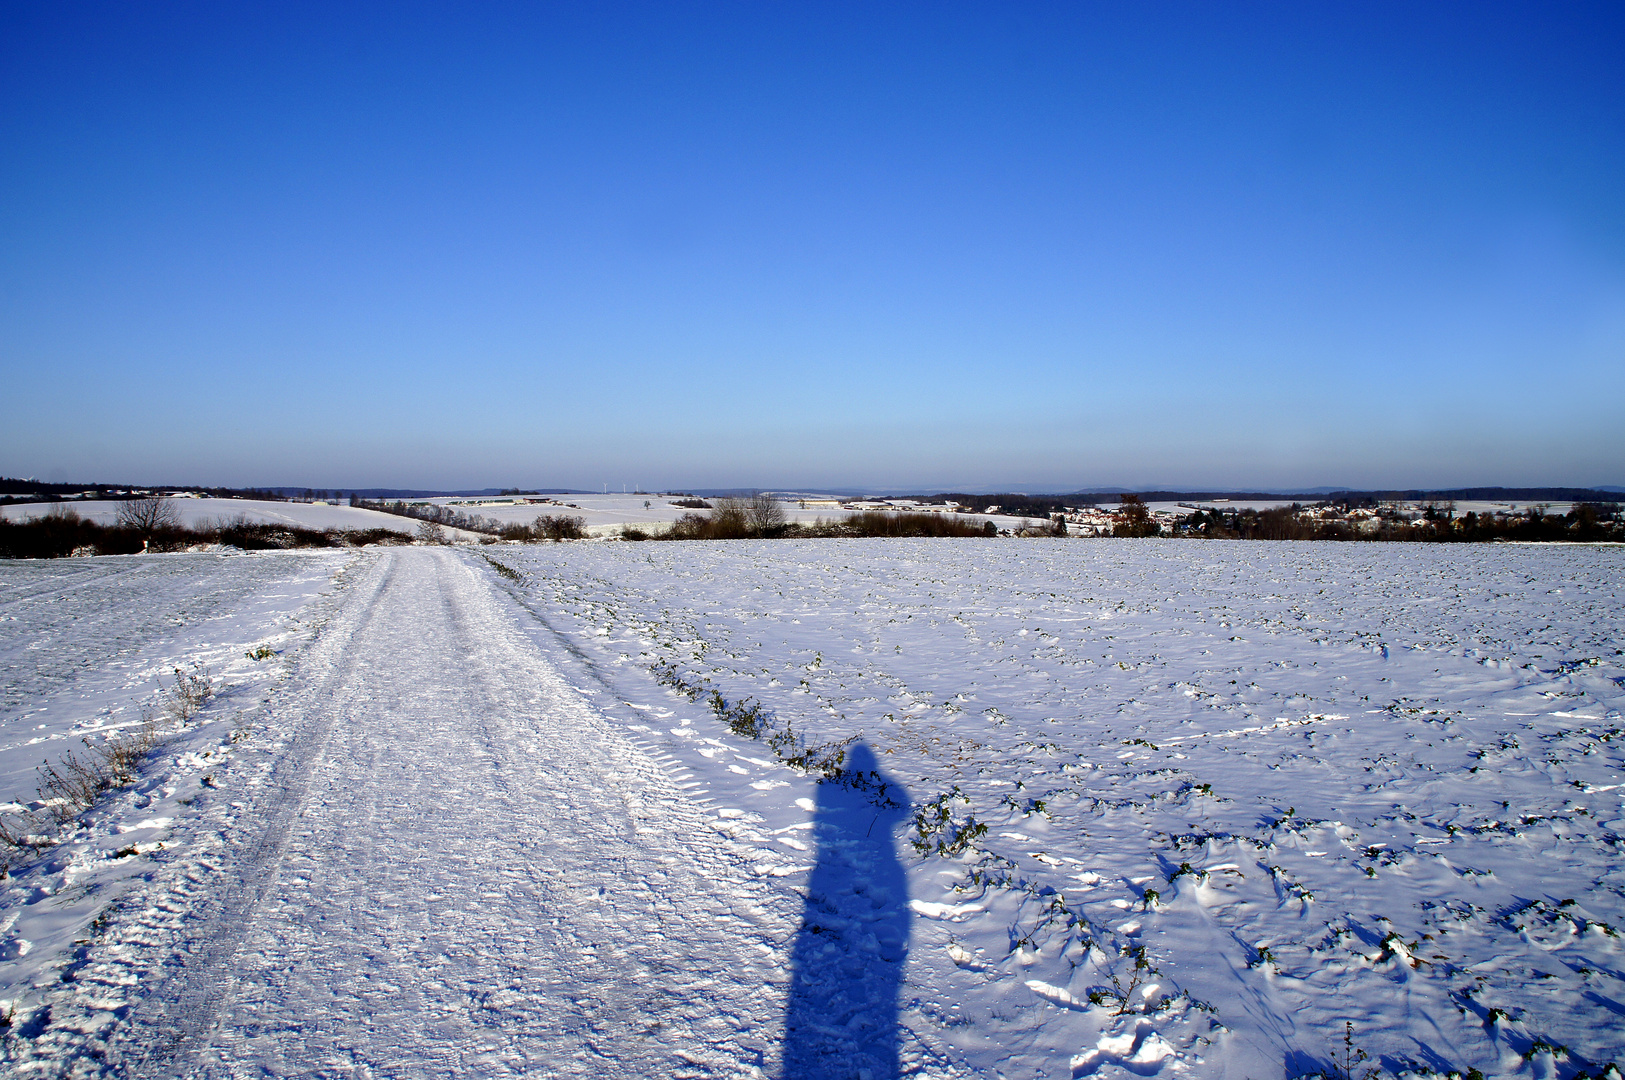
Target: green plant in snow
x=1123, y=989
x=939, y=832
x=1352, y=1058
x=503, y=568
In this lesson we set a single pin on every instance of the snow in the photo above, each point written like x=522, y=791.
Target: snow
x=428, y=854
x=1181, y=508
x=1392, y=767
x=606, y=514
x=86, y=646
x=196, y=512
x=85, y=642
x=459, y=825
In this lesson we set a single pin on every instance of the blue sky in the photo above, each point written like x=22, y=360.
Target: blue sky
x=771, y=244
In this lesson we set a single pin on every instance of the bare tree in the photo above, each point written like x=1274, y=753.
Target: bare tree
x=148, y=515
x=765, y=514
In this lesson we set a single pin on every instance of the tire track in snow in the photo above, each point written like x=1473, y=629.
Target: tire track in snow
x=462, y=870
x=157, y=960
x=54, y=587
x=183, y=1007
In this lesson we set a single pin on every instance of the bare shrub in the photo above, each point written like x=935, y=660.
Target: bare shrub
x=73, y=784
x=430, y=532
x=561, y=527
x=729, y=520
x=61, y=532
x=881, y=523
x=148, y=515
x=21, y=835
x=1122, y=993
x=57, y=532
x=191, y=691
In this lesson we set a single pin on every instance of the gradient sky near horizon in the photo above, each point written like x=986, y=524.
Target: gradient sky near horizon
x=1033, y=246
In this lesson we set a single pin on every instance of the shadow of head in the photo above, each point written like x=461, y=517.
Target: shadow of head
x=848, y=958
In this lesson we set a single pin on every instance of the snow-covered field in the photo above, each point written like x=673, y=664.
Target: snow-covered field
x=1318, y=784
x=87, y=646
x=1125, y=808
x=605, y=515
x=198, y=512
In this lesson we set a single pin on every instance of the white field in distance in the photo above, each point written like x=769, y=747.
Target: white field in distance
x=606, y=514
x=199, y=512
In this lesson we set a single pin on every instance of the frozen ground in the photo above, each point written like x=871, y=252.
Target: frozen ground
x=459, y=826
x=85, y=642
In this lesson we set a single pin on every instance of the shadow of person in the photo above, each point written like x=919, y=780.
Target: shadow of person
x=847, y=965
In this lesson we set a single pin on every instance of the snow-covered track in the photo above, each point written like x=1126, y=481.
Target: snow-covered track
x=452, y=866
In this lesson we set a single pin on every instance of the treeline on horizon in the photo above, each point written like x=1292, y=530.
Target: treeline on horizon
x=759, y=517
x=1020, y=503
x=18, y=489
x=152, y=525
x=13, y=489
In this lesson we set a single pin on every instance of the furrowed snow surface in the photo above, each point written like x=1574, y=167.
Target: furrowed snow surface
x=1125, y=808
x=1235, y=795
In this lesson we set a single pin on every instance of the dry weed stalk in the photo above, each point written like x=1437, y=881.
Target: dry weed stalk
x=72, y=785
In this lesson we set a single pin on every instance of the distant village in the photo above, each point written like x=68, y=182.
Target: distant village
x=1349, y=519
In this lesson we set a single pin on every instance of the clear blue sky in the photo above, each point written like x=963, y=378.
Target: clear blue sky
x=776, y=244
